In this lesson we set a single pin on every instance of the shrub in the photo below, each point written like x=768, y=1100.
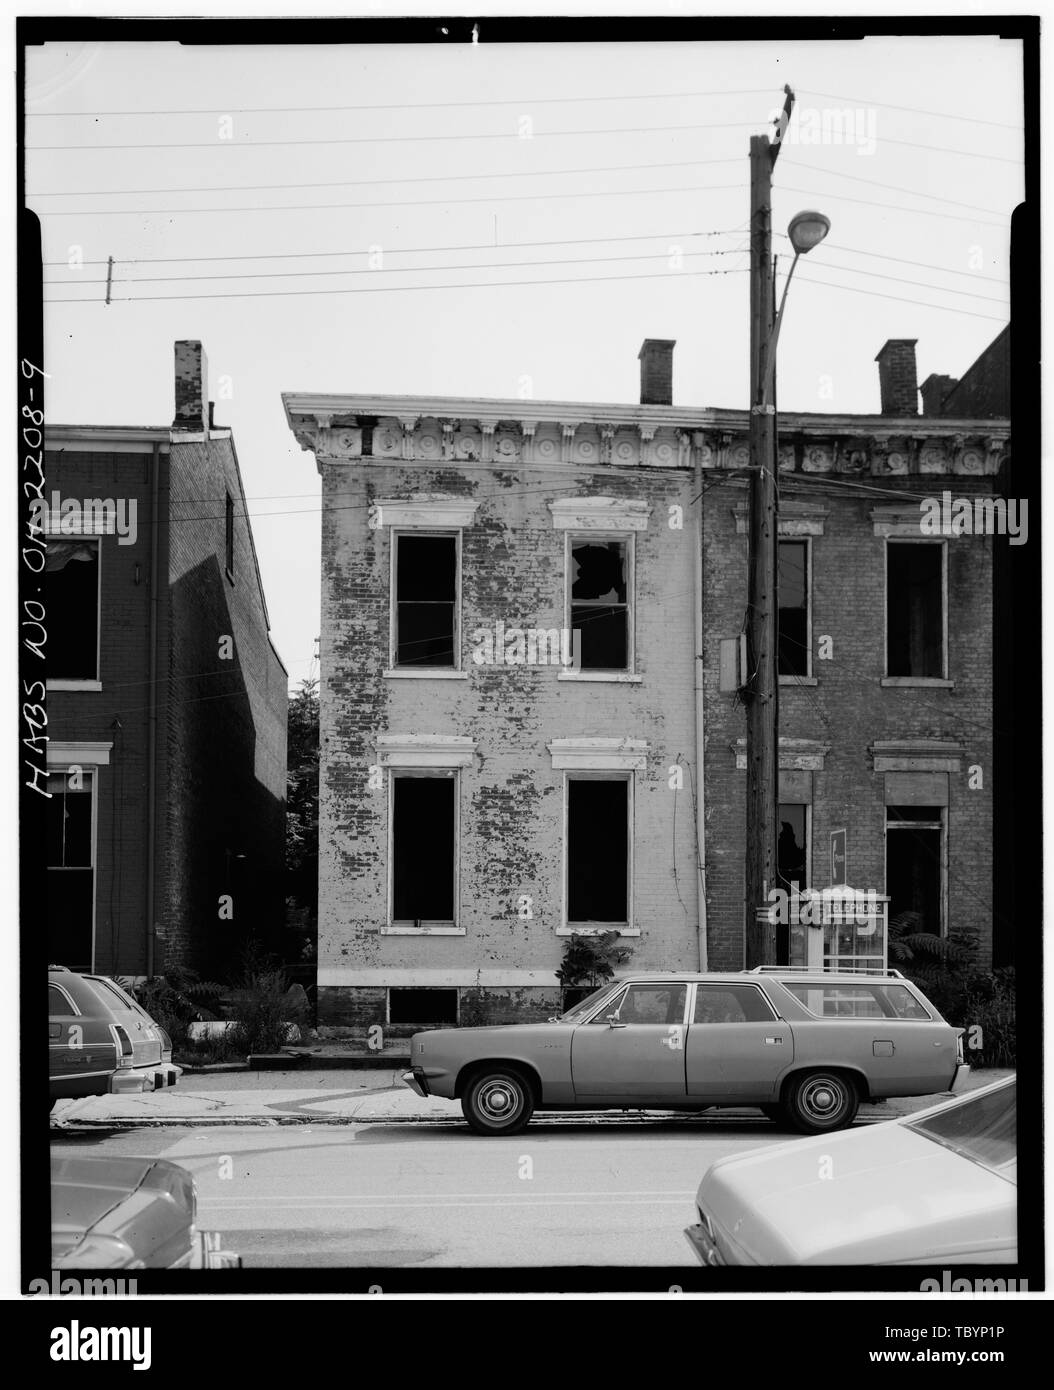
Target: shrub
x=177, y=999
x=262, y=1006
x=590, y=960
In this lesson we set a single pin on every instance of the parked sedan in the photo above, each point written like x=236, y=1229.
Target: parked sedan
x=806, y=1049
x=938, y=1187
x=101, y=1041
x=128, y=1213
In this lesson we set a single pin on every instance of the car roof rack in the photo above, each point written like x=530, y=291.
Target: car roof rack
x=812, y=970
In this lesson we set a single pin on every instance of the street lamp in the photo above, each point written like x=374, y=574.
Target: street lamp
x=806, y=230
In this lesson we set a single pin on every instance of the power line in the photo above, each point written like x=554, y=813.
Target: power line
x=354, y=183
x=918, y=111
x=903, y=299
x=410, y=106
x=881, y=256
x=407, y=250
x=871, y=274
x=402, y=270
x=876, y=183
x=400, y=139
x=398, y=203
x=396, y=289
x=887, y=207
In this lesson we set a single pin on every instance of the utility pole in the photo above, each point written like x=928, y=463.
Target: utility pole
x=761, y=692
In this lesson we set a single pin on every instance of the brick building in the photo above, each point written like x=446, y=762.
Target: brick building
x=166, y=700
x=478, y=804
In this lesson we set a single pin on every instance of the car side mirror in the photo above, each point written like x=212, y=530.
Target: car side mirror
x=613, y=1021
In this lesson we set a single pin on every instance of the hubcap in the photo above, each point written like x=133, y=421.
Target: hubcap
x=497, y=1100
x=821, y=1099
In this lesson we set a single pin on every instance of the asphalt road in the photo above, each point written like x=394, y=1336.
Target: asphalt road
x=433, y=1195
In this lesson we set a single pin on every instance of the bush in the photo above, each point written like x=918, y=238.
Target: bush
x=262, y=1007
x=204, y=1052
x=178, y=999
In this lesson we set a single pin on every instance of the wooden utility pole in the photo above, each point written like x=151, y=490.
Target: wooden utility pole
x=762, y=686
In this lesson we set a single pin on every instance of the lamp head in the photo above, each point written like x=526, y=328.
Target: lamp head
x=806, y=230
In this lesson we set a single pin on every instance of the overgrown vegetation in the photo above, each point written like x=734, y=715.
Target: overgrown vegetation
x=177, y=999
x=983, y=1002
x=301, y=837
x=262, y=1007
x=588, y=962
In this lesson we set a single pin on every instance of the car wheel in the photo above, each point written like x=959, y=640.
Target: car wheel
x=821, y=1101
x=497, y=1102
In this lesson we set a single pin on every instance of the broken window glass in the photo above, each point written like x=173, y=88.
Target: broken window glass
x=599, y=603
x=71, y=587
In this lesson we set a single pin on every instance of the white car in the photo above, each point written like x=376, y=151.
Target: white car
x=936, y=1187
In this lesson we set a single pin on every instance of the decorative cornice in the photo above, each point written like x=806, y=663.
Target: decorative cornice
x=599, y=754
x=917, y=755
x=599, y=514
x=796, y=754
x=425, y=750
x=587, y=435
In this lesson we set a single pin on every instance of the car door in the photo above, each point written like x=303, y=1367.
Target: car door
x=634, y=1052
x=737, y=1049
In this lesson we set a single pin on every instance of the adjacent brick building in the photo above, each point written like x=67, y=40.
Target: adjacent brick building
x=476, y=808
x=166, y=700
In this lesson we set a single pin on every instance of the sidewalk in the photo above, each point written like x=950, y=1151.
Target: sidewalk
x=360, y=1097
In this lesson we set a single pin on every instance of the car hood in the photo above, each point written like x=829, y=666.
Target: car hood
x=148, y=1203
x=881, y=1195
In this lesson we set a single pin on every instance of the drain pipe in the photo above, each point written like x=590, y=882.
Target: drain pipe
x=151, y=755
x=700, y=753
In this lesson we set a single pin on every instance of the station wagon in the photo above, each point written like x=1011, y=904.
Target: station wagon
x=805, y=1048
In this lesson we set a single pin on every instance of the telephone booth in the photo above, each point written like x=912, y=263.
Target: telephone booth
x=840, y=929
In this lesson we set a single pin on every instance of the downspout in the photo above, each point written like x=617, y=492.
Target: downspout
x=700, y=752
x=151, y=755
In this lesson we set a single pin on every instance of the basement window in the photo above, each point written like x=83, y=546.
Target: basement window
x=430, y=1007
x=915, y=610
x=425, y=591
x=793, y=590
x=423, y=854
x=598, y=851
x=71, y=592
x=600, y=608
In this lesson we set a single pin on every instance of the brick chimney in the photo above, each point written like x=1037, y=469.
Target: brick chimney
x=935, y=390
x=656, y=371
x=898, y=377
x=192, y=385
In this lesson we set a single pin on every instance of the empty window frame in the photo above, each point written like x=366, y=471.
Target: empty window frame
x=599, y=850
x=916, y=637
x=70, y=848
x=228, y=536
x=425, y=598
x=792, y=864
x=71, y=594
x=599, y=592
x=795, y=637
x=423, y=849
x=916, y=867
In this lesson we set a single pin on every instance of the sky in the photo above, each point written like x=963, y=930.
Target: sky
x=427, y=220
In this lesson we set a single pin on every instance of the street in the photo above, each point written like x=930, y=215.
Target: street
x=431, y=1194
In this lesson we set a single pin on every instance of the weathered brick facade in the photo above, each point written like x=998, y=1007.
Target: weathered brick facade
x=219, y=785
x=499, y=473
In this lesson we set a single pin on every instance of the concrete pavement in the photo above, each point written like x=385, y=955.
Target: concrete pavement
x=345, y=1097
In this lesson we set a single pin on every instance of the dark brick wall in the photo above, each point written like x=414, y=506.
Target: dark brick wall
x=223, y=727
x=121, y=788
x=849, y=709
x=898, y=377
x=984, y=390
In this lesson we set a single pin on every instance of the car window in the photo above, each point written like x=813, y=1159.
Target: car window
x=651, y=1003
x=585, y=1006
x=857, y=1001
x=112, y=995
x=731, y=1004
x=980, y=1128
x=58, y=1003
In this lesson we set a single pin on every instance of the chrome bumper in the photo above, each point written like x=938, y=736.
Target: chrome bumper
x=417, y=1081
x=705, y=1249
x=962, y=1076
x=135, y=1080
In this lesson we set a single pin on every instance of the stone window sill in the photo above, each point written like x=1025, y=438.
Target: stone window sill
x=615, y=677
x=424, y=673
x=918, y=682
